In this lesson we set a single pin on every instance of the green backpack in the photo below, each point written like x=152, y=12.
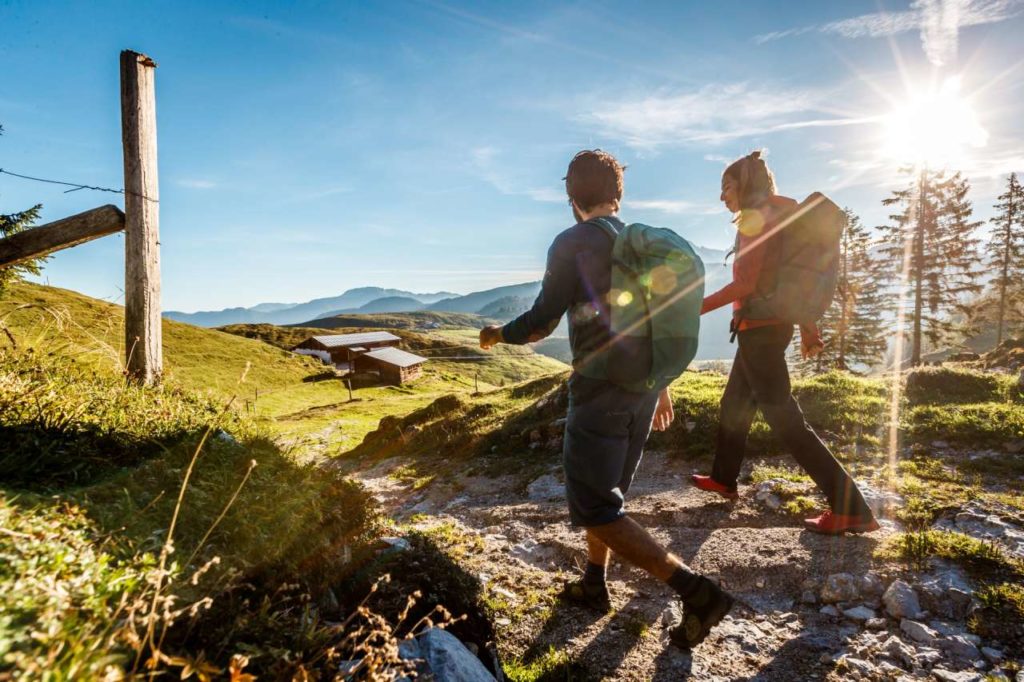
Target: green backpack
x=803, y=284
x=657, y=288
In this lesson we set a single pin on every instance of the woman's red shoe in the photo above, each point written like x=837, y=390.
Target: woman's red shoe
x=713, y=486
x=837, y=524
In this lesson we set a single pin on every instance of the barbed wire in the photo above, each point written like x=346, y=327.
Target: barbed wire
x=74, y=185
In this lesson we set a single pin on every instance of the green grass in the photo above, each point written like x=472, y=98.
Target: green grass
x=917, y=548
x=976, y=425
x=410, y=320
x=762, y=473
x=79, y=565
x=58, y=321
x=952, y=385
x=551, y=666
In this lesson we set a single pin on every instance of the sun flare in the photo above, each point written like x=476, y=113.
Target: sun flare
x=936, y=128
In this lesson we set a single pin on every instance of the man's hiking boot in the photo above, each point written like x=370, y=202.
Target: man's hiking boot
x=593, y=597
x=837, y=524
x=701, y=613
x=713, y=486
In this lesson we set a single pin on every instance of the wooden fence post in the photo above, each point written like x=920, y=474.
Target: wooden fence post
x=143, y=334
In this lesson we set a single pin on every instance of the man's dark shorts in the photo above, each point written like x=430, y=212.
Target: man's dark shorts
x=605, y=434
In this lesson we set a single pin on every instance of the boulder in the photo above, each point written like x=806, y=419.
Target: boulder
x=871, y=585
x=545, y=488
x=947, y=592
x=944, y=675
x=882, y=502
x=992, y=655
x=829, y=610
x=859, y=614
x=840, y=587
x=440, y=656
x=960, y=647
x=897, y=650
x=859, y=666
x=919, y=632
x=901, y=600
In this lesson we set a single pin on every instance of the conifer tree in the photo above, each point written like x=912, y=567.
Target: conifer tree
x=1004, y=305
x=932, y=240
x=12, y=224
x=853, y=326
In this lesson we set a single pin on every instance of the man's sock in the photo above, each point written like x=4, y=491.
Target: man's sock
x=688, y=586
x=595, y=575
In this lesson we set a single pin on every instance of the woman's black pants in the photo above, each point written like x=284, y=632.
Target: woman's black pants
x=760, y=379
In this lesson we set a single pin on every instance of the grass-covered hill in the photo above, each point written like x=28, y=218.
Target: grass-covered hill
x=420, y=319
x=58, y=321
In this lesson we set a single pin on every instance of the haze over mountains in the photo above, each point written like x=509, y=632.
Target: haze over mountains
x=500, y=303
x=380, y=300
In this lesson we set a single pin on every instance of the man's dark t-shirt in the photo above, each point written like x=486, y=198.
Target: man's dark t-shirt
x=577, y=281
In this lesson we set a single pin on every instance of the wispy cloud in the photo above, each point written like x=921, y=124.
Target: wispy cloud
x=938, y=21
x=196, y=183
x=714, y=113
x=483, y=160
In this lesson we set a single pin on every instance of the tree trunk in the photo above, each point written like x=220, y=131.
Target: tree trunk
x=915, y=356
x=1006, y=269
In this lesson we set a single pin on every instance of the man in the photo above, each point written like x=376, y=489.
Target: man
x=607, y=426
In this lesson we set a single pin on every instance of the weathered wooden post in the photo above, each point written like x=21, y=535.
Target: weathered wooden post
x=143, y=335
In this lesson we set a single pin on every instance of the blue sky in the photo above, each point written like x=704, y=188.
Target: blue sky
x=306, y=148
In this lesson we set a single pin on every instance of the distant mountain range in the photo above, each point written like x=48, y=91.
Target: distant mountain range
x=501, y=303
x=294, y=313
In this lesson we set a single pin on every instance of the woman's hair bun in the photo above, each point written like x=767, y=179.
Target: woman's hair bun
x=756, y=154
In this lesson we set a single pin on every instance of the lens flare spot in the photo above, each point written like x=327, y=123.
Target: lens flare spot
x=623, y=298
x=663, y=280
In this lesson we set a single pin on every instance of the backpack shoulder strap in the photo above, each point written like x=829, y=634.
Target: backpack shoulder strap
x=606, y=226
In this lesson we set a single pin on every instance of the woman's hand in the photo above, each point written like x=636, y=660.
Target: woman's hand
x=663, y=413
x=811, y=344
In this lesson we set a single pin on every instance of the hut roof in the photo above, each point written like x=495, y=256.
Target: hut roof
x=396, y=357
x=346, y=340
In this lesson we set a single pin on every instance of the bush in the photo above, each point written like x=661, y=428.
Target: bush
x=947, y=385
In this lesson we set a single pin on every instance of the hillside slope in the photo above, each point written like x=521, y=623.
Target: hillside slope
x=58, y=320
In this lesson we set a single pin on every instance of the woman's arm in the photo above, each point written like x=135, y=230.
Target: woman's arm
x=749, y=261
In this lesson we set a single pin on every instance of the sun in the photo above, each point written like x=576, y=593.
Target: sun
x=937, y=128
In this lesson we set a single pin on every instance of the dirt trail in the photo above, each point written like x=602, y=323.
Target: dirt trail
x=528, y=549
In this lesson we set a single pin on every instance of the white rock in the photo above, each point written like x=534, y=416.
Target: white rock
x=919, y=632
x=901, y=600
x=859, y=614
x=876, y=624
x=545, y=488
x=944, y=675
x=947, y=593
x=898, y=651
x=871, y=585
x=840, y=587
x=960, y=647
x=858, y=665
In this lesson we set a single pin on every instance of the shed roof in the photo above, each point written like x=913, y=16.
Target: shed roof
x=346, y=340
x=396, y=357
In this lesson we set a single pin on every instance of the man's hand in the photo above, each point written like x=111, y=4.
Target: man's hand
x=490, y=337
x=663, y=414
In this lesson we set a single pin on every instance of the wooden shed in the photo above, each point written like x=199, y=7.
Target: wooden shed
x=342, y=349
x=395, y=366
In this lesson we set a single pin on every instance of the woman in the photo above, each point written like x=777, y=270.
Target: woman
x=760, y=376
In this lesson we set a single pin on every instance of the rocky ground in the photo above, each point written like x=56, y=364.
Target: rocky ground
x=809, y=607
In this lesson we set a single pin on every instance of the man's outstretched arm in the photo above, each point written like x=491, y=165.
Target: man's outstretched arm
x=541, y=319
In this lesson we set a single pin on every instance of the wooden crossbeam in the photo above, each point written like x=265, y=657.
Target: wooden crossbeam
x=61, y=234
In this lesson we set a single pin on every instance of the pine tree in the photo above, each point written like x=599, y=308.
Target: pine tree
x=933, y=239
x=12, y=224
x=853, y=327
x=1004, y=304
